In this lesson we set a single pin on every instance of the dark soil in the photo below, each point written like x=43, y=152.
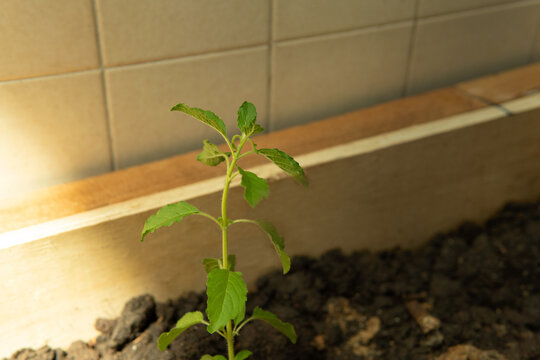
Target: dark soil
x=473, y=293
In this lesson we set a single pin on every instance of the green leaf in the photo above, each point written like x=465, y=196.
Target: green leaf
x=286, y=163
x=255, y=188
x=187, y=320
x=168, y=215
x=244, y=354
x=211, y=155
x=278, y=242
x=255, y=129
x=226, y=291
x=285, y=328
x=241, y=314
x=207, y=117
x=213, y=263
x=247, y=115
x=215, y=357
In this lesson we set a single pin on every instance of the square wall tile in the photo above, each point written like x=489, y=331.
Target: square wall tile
x=316, y=78
x=457, y=47
x=440, y=7
x=41, y=37
x=143, y=30
x=52, y=130
x=299, y=18
x=141, y=96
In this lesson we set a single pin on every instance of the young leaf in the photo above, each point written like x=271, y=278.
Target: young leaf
x=187, y=320
x=242, y=355
x=213, y=263
x=211, y=155
x=207, y=117
x=255, y=188
x=168, y=215
x=226, y=291
x=285, y=328
x=286, y=163
x=278, y=242
x=255, y=129
x=247, y=114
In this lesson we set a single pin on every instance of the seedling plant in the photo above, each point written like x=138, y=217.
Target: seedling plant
x=225, y=288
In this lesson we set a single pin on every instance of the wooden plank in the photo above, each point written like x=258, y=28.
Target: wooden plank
x=80, y=196
x=368, y=193
x=505, y=86
x=68, y=199
x=269, y=171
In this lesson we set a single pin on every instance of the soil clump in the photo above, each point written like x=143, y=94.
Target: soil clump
x=472, y=293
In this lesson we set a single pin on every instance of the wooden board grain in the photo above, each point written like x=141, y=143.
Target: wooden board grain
x=504, y=86
x=84, y=195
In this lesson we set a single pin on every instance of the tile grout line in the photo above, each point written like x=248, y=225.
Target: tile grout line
x=113, y=162
x=479, y=9
x=536, y=38
x=346, y=32
x=50, y=76
x=417, y=17
x=249, y=47
x=270, y=65
x=233, y=49
x=203, y=55
x=412, y=42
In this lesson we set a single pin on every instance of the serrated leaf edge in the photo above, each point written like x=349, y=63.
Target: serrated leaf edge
x=265, y=317
x=203, y=116
x=299, y=175
x=216, y=324
x=279, y=243
x=179, y=329
x=246, y=187
x=178, y=218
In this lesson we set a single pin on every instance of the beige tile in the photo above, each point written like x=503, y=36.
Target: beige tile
x=41, y=37
x=297, y=18
x=316, y=78
x=141, y=96
x=137, y=31
x=455, y=48
x=440, y=7
x=52, y=130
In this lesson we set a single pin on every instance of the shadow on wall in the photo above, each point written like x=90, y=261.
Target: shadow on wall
x=91, y=92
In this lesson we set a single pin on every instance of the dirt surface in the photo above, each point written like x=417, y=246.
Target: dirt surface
x=470, y=294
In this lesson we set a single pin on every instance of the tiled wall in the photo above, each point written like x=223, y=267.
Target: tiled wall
x=86, y=85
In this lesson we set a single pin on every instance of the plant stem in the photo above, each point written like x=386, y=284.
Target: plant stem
x=246, y=154
x=230, y=340
x=209, y=217
x=224, y=239
x=228, y=178
x=244, y=221
x=242, y=325
x=229, y=335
